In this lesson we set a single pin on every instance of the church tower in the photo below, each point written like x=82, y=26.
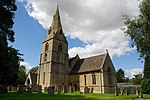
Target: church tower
x=54, y=56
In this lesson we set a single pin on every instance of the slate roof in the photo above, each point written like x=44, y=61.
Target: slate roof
x=35, y=71
x=71, y=59
x=90, y=64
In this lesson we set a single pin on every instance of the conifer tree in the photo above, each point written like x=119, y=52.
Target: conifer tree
x=9, y=56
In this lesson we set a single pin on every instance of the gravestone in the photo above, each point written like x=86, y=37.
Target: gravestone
x=71, y=90
x=14, y=89
x=10, y=88
x=50, y=90
x=20, y=88
x=122, y=91
x=127, y=91
x=58, y=89
x=53, y=88
x=65, y=90
x=137, y=91
x=39, y=89
x=45, y=89
x=86, y=89
x=116, y=90
x=34, y=88
x=24, y=88
x=29, y=89
x=92, y=89
x=140, y=94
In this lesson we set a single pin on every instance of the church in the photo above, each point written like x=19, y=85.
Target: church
x=56, y=68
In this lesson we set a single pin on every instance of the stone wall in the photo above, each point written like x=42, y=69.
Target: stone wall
x=94, y=87
x=74, y=81
x=56, y=64
x=108, y=87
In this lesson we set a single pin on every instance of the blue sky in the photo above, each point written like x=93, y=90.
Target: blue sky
x=30, y=31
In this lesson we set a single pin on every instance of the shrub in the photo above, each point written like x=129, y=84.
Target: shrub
x=145, y=85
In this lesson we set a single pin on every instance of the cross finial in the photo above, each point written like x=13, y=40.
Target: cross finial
x=106, y=50
x=57, y=3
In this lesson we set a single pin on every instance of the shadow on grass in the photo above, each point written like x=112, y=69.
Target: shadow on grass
x=34, y=96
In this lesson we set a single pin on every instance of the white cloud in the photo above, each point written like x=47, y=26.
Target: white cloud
x=95, y=22
x=27, y=65
x=104, y=39
x=131, y=72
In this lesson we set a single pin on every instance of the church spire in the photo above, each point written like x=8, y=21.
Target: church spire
x=56, y=23
x=56, y=31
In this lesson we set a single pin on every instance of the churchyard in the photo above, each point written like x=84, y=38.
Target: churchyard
x=57, y=93
x=65, y=96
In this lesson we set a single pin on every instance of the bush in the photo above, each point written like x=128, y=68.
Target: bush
x=145, y=85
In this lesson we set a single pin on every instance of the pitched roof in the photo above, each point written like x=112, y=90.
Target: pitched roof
x=89, y=64
x=35, y=71
x=71, y=59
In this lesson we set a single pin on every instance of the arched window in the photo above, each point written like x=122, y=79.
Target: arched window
x=109, y=76
x=46, y=47
x=93, y=78
x=85, y=80
x=44, y=78
x=45, y=57
x=60, y=47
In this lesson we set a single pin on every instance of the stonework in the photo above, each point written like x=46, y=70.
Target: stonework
x=97, y=73
x=54, y=56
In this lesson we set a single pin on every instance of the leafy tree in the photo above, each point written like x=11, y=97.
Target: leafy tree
x=137, y=79
x=32, y=69
x=138, y=29
x=127, y=80
x=120, y=76
x=21, y=75
x=145, y=84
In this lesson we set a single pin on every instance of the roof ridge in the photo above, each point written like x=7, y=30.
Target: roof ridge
x=95, y=56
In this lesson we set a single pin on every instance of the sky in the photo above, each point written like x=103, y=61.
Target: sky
x=91, y=27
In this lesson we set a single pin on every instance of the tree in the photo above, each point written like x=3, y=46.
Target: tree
x=127, y=80
x=120, y=76
x=9, y=57
x=138, y=29
x=137, y=79
x=21, y=75
x=9, y=67
x=7, y=9
x=145, y=84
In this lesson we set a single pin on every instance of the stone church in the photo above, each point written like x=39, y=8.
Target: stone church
x=56, y=68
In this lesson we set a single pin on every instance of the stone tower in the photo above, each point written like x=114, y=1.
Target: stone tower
x=54, y=57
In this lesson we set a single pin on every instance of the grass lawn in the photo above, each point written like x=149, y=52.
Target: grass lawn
x=66, y=96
